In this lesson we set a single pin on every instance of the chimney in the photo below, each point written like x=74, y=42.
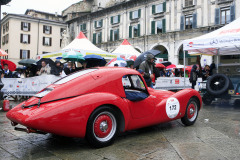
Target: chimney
x=4, y=14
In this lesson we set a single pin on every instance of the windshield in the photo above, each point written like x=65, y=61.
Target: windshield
x=73, y=76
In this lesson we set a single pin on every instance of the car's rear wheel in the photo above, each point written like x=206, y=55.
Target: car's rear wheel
x=191, y=112
x=102, y=127
x=207, y=99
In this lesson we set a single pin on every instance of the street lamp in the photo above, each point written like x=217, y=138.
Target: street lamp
x=2, y=2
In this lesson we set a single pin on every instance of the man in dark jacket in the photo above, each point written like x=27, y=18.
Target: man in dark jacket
x=193, y=76
x=7, y=73
x=57, y=69
x=147, y=67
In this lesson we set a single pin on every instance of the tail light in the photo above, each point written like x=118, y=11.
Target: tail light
x=237, y=93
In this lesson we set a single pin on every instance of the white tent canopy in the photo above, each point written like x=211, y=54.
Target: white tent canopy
x=223, y=41
x=126, y=49
x=82, y=44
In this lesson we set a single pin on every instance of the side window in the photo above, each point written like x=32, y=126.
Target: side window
x=126, y=82
x=133, y=82
x=137, y=82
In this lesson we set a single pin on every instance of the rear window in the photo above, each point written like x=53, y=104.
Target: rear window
x=73, y=76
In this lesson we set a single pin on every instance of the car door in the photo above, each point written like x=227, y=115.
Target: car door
x=143, y=105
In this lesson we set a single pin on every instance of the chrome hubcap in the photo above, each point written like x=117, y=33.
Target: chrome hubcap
x=103, y=126
x=191, y=111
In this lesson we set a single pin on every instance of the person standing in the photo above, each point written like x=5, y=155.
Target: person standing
x=57, y=69
x=193, y=76
x=147, y=67
x=45, y=70
x=6, y=72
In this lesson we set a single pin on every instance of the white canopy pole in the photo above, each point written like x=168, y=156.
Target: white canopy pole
x=184, y=61
x=217, y=60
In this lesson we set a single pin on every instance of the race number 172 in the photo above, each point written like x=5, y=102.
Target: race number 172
x=173, y=107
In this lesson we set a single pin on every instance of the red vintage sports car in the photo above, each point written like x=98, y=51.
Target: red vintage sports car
x=99, y=103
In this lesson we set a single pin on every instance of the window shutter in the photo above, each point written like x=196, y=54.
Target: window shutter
x=139, y=30
x=81, y=27
x=195, y=20
x=153, y=9
x=29, y=40
x=164, y=26
x=20, y=54
x=94, y=37
x=50, y=41
x=21, y=38
x=182, y=23
x=111, y=35
x=100, y=40
x=153, y=27
x=117, y=34
x=139, y=13
x=29, y=26
x=119, y=18
x=164, y=6
x=217, y=16
x=84, y=26
x=43, y=42
x=95, y=24
x=130, y=31
x=130, y=15
x=50, y=30
x=43, y=28
x=28, y=54
x=232, y=13
x=112, y=20
x=101, y=22
x=21, y=25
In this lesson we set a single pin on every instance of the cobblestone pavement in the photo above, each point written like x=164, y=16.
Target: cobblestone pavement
x=215, y=135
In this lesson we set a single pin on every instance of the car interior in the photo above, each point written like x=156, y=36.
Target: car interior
x=134, y=88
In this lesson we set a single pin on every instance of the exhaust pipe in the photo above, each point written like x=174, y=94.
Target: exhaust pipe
x=29, y=130
x=14, y=123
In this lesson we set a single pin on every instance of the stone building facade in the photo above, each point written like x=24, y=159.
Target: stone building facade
x=150, y=24
x=35, y=32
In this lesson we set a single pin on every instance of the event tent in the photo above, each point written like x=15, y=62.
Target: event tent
x=83, y=45
x=224, y=41
x=126, y=49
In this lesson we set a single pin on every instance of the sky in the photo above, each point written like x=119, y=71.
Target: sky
x=52, y=6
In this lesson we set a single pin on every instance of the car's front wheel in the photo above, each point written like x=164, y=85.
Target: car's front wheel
x=191, y=112
x=102, y=127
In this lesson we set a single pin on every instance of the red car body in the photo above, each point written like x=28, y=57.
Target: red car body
x=67, y=108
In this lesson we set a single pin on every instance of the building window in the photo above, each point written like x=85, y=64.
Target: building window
x=25, y=26
x=7, y=26
x=3, y=40
x=188, y=22
x=188, y=3
x=134, y=31
x=159, y=26
x=98, y=24
x=44, y=52
x=47, y=41
x=24, y=54
x=225, y=16
x=6, y=39
x=5, y=57
x=83, y=27
x=97, y=38
x=47, y=16
x=114, y=35
x=25, y=38
x=115, y=19
x=47, y=29
x=135, y=14
x=159, y=8
x=4, y=29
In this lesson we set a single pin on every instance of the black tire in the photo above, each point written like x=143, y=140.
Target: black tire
x=217, y=84
x=191, y=112
x=207, y=99
x=98, y=133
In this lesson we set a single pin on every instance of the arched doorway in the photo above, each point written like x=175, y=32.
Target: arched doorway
x=190, y=60
x=164, y=52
